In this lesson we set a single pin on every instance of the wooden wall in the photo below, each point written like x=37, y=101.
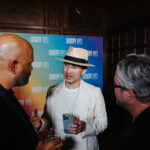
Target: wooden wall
x=53, y=17
x=128, y=29
x=128, y=32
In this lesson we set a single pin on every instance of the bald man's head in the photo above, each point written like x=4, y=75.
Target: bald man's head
x=16, y=56
x=12, y=45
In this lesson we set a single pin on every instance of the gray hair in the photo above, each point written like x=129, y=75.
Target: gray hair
x=134, y=73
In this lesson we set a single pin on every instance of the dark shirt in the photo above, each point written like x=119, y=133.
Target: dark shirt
x=17, y=131
x=137, y=135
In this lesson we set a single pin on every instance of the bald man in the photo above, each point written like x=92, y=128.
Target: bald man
x=17, y=132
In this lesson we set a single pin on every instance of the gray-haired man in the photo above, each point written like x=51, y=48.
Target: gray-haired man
x=132, y=90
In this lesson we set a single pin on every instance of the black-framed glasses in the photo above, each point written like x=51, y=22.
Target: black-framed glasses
x=118, y=86
x=123, y=88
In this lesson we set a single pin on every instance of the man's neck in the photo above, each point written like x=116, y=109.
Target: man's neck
x=72, y=85
x=5, y=85
x=138, y=109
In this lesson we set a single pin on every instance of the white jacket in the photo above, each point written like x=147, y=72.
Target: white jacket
x=90, y=107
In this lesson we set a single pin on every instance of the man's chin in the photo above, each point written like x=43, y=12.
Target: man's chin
x=68, y=81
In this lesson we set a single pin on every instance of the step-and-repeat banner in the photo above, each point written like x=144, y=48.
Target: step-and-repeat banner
x=47, y=71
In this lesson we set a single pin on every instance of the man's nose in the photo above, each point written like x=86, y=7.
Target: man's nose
x=69, y=68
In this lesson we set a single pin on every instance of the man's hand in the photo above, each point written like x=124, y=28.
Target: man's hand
x=36, y=122
x=53, y=145
x=77, y=127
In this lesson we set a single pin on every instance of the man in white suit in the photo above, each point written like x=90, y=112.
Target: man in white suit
x=77, y=97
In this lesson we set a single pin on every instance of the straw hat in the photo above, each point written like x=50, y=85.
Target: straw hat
x=77, y=56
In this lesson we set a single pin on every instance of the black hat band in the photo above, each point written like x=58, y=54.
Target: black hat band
x=79, y=60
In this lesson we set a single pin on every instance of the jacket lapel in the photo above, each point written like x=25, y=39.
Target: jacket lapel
x=63, y=98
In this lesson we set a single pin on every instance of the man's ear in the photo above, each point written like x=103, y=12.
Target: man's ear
x=131, y=95
x=13, y=66
x=84, y=71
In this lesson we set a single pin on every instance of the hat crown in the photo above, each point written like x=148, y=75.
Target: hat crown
x=77, y=56
x=77, y=53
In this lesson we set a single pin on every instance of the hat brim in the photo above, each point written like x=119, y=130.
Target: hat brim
x=76, y=63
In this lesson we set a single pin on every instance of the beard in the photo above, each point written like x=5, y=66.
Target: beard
x=23, y=78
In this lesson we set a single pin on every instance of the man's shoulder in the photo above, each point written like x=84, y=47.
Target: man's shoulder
x=53, y=88
x=88, y=85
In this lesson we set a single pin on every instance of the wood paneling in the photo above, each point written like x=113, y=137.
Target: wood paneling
x=128, y=29
x=128, y=39
x=53, y=16
x=82, y=16
x=22, y=30
x=25, y=12
x=129, y=11
x=55, y=12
